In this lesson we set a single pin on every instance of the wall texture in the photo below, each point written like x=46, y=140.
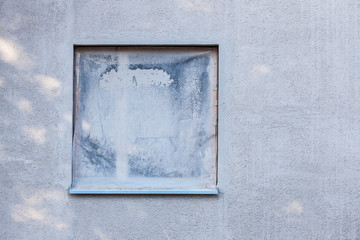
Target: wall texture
x=289, y=119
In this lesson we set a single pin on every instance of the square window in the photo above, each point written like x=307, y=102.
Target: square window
x=145, y=120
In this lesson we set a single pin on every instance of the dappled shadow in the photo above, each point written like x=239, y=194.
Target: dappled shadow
x=13, y=54
x=197, y=5
x=260, y=70
x=25, y=106
x=25, y=96
x=101, y=234
x=35, y=208
x=49, y=86
x=33, y=172
x=37, y=134
x=293, y=207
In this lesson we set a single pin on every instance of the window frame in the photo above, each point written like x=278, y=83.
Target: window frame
x=208, y=191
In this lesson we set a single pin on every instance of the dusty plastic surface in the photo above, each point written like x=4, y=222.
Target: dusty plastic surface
x=145, y=119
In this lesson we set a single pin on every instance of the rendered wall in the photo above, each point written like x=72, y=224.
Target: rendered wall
x=289, y=119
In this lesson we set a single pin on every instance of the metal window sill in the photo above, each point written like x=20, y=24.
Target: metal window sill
x=148, y=191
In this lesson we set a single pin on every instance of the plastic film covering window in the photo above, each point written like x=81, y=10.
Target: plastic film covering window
x=145, y=120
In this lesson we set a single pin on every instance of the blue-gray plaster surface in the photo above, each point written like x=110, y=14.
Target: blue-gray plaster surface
x=289, y=119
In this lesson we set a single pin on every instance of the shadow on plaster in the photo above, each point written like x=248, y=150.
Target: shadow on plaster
x=18, y=93
x=13, y=54
x=294, y=207
x=197, y=5
x=32, y=209
x=260, y=70
x=27, y=98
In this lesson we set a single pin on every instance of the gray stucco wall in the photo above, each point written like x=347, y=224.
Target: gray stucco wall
x=289, y=119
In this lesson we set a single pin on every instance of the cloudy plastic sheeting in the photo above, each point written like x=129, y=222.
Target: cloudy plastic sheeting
x=145, y=118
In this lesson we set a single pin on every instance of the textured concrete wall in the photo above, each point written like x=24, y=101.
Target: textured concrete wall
x=289, y=119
